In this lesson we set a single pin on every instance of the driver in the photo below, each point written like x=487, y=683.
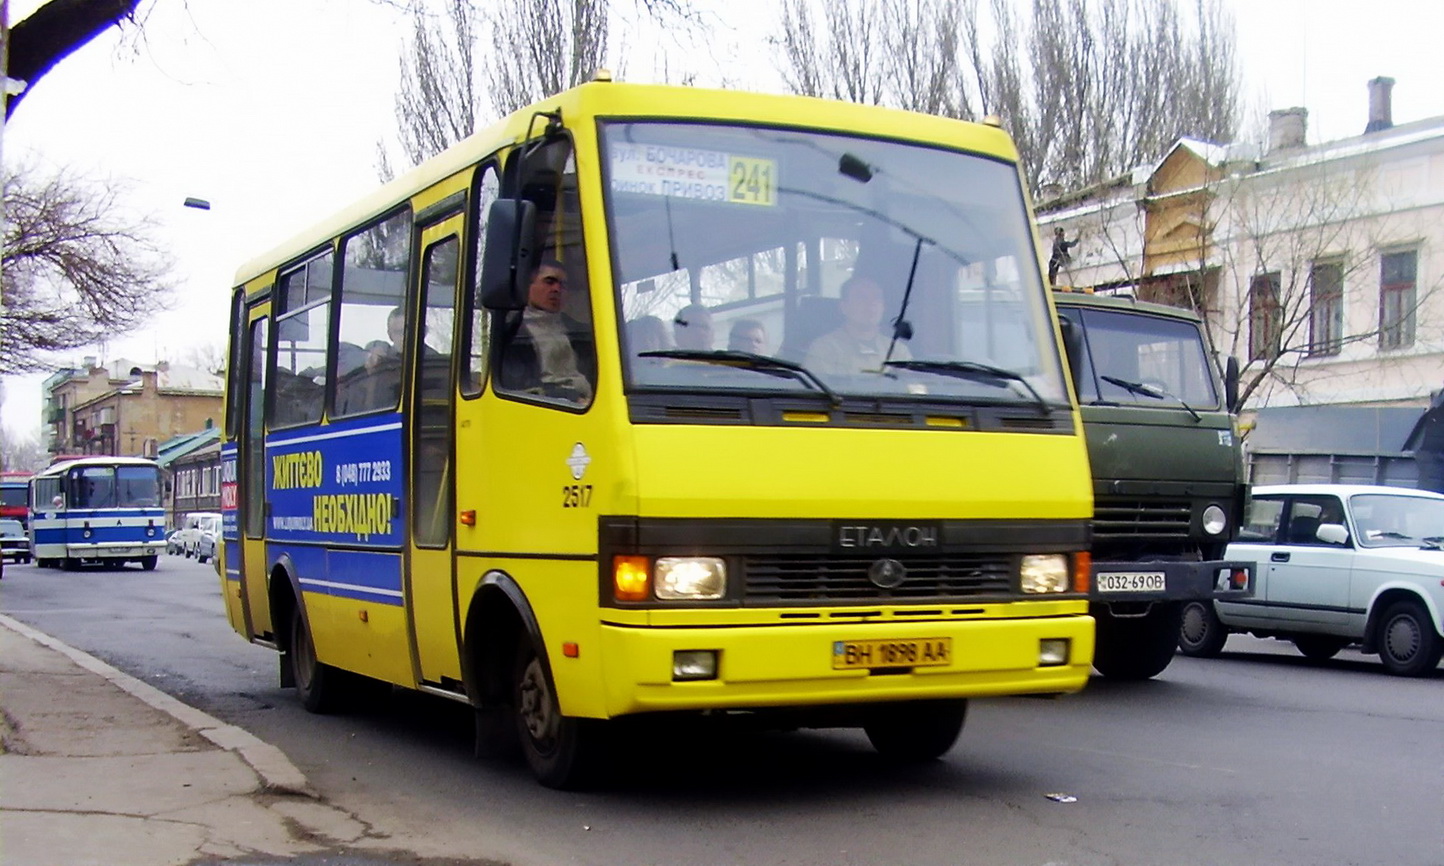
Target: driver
x=861, y=344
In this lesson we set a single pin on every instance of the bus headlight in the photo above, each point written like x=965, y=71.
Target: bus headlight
x=1044, y=573
x=690, y=578
x=1214, y=520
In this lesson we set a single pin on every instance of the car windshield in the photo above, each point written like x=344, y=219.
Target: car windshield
x=1144, y=360
x=11, y=528
x=879, y=268
x=1384, y=520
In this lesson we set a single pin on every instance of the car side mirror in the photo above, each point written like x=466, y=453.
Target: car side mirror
x=1073, y=348
x=1332, y=533
x=1230, y=383
x=507, y=256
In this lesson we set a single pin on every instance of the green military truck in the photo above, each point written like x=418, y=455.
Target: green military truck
x=1169, y=483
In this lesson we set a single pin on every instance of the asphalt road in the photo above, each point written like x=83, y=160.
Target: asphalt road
x=1258, y=757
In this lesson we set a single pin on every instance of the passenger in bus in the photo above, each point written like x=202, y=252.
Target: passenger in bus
x=747, y=335
x=860, y=344
x=381, y=353
x=548, y=352
x=647, y=334
x=692, y=328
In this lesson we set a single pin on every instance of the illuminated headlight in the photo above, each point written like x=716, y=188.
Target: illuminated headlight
x=690, y=578
x=1214, y=520
x=1047, y=573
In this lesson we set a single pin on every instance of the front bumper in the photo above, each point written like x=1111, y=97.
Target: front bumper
x=791, y=666
x=124, y=550
x=1182, y=581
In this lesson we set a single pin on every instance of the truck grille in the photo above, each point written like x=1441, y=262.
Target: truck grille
x=805, y=578
x=1140, y=519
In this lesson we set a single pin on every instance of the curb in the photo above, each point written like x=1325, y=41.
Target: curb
x=278, y=775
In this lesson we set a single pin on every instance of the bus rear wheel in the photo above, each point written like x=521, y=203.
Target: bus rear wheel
x=148, y=563
x=321, y=688
x=916, y=731
x=562, y=751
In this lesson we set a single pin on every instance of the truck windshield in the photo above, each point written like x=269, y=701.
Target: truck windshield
x=13, y=496
x=1164, y=356
x=834, y=253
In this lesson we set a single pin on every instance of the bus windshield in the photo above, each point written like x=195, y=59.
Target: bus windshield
x=881, y=268
x=115, y=487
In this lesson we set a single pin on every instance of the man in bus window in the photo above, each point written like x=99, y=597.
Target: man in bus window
x=692, y=328
x=860, y=344
x=549, y=353
x=388, y=352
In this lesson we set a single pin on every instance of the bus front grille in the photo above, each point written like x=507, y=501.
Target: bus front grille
x=804, y=579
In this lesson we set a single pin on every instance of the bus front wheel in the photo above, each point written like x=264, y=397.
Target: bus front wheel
x=562, y=750
x=915, y=731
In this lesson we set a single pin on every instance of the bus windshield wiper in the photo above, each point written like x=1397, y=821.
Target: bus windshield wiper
x=750, y=361
x=1151, y=391
x=975, y=371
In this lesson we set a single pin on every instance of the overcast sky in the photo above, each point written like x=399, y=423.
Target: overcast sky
x=271, y=110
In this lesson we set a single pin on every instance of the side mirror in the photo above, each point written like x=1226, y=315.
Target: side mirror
x=1230, y=384
x=1332, y=533
x=507, y=256
x=1073, y=348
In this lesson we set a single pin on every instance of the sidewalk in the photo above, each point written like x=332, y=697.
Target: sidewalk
x=96, y=767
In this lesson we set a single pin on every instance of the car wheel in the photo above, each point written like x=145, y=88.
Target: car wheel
x=563, y=751
x=915, y=731
x=1408, y=644
x=1136, y=648
x=1318, y=647
x=1201, y=634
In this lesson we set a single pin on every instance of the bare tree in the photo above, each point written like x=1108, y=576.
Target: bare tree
x=1088, y=88
x=542, y=47
x=210, y=357
x=76, y=268
x=437, y=104
x=21, y=453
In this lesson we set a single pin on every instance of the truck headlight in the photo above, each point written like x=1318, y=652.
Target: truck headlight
x=1214, y=520
x=690, y=578
x=1044, y=573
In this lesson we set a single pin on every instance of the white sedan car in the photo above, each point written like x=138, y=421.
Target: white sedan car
x=1337, y=564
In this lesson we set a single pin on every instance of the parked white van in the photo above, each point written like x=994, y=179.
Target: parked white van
x=198, y=534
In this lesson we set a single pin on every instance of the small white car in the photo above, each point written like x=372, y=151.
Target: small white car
x=197, y=537
x=1335, y=565
x=14, y=543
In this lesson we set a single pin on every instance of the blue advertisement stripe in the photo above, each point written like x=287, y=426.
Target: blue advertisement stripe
x=362, y=575
x=157, y=514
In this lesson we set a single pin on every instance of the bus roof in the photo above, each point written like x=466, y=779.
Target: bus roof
x=605, y=99
x=63, y=466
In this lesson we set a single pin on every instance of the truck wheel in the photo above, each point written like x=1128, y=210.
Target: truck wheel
x=564, y=752
x=1136, y=648
x=1201, y=634
x=916, y=731
x=1318, y=647
x=1408, y=644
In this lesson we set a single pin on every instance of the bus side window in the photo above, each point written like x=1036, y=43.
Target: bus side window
x=475, y=333
x=372, y=322
x=548, y=350
x=301, y=328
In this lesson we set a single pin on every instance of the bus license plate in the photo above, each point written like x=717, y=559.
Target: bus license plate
x=923, y=652
x=1137, y=581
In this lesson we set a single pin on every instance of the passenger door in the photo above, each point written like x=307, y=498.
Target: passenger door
x=1308, y=579
x=251, y=479
x=431, y=601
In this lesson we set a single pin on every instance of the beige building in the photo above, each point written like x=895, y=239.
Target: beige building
x=1320, y=267
x=127, y=409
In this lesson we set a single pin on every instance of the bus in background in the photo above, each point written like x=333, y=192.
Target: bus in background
x=15, y=496
x=97, y=511
x=657, y=400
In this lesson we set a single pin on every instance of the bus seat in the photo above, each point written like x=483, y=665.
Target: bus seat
x=816, y=315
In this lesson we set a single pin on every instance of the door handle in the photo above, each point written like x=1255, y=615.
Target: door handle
x=1279, y=557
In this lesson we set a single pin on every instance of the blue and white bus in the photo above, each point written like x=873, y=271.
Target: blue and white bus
x=102, y=510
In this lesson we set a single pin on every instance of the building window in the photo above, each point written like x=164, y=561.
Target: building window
x=1326, y=308
x=1265, y=317
x=1397, y=273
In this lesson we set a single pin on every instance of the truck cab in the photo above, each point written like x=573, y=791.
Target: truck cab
x=1169, y=483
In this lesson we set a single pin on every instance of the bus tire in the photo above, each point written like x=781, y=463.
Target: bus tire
x=562, y=751
x=320, y=687
x=148, y=562
x=915, y=731
x=70, y=564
